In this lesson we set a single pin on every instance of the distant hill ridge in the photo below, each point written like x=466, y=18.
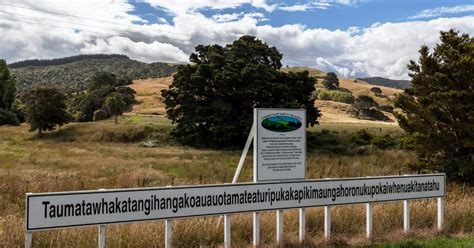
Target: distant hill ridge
x=62, y=61
x=399, y=84
x=71, y=74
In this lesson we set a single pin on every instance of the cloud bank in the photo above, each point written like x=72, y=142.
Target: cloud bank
x=383, y=49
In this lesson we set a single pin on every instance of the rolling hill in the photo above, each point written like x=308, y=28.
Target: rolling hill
x=399, y=84
x=150, y=101
x=72, y=73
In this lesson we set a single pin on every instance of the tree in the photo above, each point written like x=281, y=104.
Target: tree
x=211, y=100
x=46, y=108
x=376, y=90
x=115, y=105
x=438, y=110
x=7, y=95
x=331, y=81
x=365, y=107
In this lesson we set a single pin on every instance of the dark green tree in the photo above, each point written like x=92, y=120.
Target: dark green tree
x=365, y=107
x=331, y=81
x=439, y=107
x=45, y=108
x=376, y=90
x=212, y=99
x=115, y=105
x=7, y=95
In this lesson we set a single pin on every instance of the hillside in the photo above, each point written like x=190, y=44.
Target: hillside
x=73, y=76
x=150, y=101
x=399, y=84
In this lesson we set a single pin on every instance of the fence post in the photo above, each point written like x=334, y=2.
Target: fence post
x=440, y=212
x=368, y=227
x=327, y=222
x=279, y=226
x=406, y=215
x=227, y=231
x=168, y=233
x=302, y=225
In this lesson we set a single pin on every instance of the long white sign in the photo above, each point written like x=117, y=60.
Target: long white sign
x=81, y=208
x=280, y=144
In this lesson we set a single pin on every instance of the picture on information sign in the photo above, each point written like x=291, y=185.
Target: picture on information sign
x=281, y=123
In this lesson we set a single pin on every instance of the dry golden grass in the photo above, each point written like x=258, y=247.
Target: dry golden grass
x=82, y=156
x=150, y=101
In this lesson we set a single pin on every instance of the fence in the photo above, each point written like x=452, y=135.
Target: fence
x=103, y=207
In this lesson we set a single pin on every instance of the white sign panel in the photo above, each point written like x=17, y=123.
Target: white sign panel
x=81, y=208
x=280, y=144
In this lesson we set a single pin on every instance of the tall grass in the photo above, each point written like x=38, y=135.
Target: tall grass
x=77, y=158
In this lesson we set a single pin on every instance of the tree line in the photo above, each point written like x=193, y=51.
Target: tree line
x=45, y=107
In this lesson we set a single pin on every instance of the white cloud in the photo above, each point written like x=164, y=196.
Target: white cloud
x=178, y=7
x=147, y=52
x=305, y=7
x=383, y=49
x=437, y=12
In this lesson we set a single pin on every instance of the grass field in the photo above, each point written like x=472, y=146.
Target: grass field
x=103, y=155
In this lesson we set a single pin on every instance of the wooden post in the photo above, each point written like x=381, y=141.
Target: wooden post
x=327, y=222
x=406, y=215
x=368, y=212
x=302, y=226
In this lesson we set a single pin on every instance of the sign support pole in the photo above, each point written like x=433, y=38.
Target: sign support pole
x=279, y=226
x=28, y=234
x=28, y=239
x=327, y=222
x=406, y=215
x=101, y=238
x=227, y=231
x=302, y=228
x=256, y=217
x=440, y=212
x=368, y=208
x=168, y=233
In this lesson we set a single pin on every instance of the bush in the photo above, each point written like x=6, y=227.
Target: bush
x=362, y=138
x=8, y=118
x=384, y=142
x=386, y=108
x=335, y=95
x=101, y=114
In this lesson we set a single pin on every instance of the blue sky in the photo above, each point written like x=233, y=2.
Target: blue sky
x=330, y=14
x=353, y=38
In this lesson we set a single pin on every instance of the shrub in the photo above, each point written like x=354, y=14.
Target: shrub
x=361, y=138
x=336, y=96
x=101, y=114
x=384, y=142
x=8, y=118
x=386, y=108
